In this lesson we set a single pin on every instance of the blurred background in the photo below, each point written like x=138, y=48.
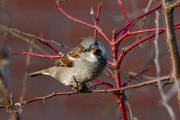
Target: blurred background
x=42, y=17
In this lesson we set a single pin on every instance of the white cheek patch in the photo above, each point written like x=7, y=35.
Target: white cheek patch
x=91, y=57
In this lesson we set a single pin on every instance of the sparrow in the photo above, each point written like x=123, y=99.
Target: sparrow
x=81, y=65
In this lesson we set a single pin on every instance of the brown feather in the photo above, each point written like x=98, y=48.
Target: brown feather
x=66, y=61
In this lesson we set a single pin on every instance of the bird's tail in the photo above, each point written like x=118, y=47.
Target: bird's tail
x=49, y=71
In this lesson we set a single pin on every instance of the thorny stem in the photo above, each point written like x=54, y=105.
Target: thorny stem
x=119, y=84
x=167, y=10
x=163, y=79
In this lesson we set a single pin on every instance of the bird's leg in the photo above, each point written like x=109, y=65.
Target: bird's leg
x=78, y=87
x=84, y=87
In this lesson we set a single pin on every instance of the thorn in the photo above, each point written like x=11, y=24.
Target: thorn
x=54, y=93
x=44, y=100
x=124, y=50
x=25, y=102
x=114, y=31
x=59, y=1
x=92, y=11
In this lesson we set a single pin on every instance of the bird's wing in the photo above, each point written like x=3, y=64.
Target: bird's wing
x=69, y=58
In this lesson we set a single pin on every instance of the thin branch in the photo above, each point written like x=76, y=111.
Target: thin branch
x=23, y=38
x=24, y=81
x=135, y=20
x=123, y=10
x=125, y=50
x=144, y=19
x=35, y=54
x=82, y=22
x=100, y=83
x=158, y=70
x=149, y=12
x=138, y=74
x=96, y=19
x=174, y=5
x=106, y=85
x=41, y=39
x=44, y=98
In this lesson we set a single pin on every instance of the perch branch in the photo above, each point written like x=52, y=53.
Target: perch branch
x=44, y=98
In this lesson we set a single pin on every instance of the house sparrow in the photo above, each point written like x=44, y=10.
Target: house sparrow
x=83, y=64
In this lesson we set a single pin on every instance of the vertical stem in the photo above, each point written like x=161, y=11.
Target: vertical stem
x=120, y=98
x=172, y=45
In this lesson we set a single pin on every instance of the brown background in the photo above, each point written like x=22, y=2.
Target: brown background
x=42, y=17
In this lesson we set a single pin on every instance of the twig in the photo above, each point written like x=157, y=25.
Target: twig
x=156, y=60
x=144, y=19
x=136, y=19
x=22, y=37
x=82, y=22
x=96, y=19
x=119, y=71
x=35, y=54
x=138, y=74
x=174, y=5
x=40, y=39
x=106, y=85
x=100, y=83
x=163, y=79
x=123, y=10
x=24, y=84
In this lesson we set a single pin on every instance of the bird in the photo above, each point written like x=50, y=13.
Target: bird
x=79, y=66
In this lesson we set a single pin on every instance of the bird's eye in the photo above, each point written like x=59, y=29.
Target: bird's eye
x=85, y=50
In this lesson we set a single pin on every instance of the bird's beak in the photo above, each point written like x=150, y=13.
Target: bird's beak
x=94, y=48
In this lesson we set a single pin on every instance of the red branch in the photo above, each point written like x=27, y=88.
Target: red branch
x=107, y=86
x=82, y=22
x=124, y=13
x=48, y=45
x=138, y=75
x=107, y=74
x=96, y=19
x=37, y=55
